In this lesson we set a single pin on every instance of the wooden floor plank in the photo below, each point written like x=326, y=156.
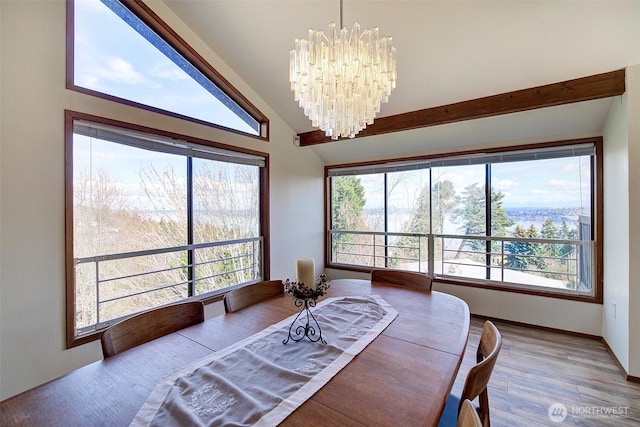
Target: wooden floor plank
x=538, y=368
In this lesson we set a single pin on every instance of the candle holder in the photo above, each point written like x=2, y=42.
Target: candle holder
x=305, y=297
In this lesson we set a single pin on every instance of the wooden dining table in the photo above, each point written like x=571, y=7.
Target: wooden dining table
x=403, y=378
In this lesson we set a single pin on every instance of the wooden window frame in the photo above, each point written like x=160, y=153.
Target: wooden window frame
x=70, y=117
x=151, y=19
x=597, y=205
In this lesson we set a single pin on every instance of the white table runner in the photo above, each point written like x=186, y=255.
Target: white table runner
x=259, y=380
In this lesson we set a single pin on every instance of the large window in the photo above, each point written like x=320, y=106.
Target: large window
x=122, y=51
x=518, y=219
x=156, y=218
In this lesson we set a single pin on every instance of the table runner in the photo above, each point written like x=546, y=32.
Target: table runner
x=259, y=380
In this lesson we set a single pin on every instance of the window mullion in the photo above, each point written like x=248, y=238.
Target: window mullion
x=487, y=187
x=386, y=222
x=191, y=271
x=431, y=239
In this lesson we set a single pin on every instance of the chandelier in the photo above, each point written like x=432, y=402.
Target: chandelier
x=340, y=80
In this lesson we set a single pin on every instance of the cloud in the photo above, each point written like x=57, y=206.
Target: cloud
x=168, y=71
x=563, y=185
x=505, y=184
x=121, y=71
x=97, y=71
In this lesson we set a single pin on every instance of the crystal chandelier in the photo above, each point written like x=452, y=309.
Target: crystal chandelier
x=340, y=80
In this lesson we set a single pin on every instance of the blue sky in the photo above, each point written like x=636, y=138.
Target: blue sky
x=111, y=57
x=553, y=183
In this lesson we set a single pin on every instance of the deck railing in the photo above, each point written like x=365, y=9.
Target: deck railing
x=111, y=286
x=553, y=264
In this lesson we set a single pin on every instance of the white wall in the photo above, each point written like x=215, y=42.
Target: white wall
x=621, y=317
x=1, y=103
x=32, y=283
x=633, y=93
x=553, y=313
x=618, y=318
x=32, y=275
x=615, y=322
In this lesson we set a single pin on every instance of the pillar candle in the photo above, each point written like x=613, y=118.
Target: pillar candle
x=306, y=272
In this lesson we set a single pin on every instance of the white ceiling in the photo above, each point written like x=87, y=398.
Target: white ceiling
x=447, y=51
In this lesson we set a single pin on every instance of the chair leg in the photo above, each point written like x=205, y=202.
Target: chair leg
x=483, y=400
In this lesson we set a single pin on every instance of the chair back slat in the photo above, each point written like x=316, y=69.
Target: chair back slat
x=468, y=416
x=247, y=295
x=478, y=377
x=149, y=325
x=402, y=277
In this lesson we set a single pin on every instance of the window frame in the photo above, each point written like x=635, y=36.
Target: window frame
x=217, y=295
x=164, y=31
x=597, y=221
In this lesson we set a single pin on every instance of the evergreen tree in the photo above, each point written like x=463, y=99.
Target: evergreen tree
x=444, y=199
x=472, y=215
x=347, y=203
x=536, y=249
x=566, y=250
x=500, y=221
x=348, y=200
x=472, y=212
x=517, y=251
x=522, y=255
x=421, y=213
x=550, y=231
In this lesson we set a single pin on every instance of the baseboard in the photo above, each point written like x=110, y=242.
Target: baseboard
x=543, y=328
x=623, y=371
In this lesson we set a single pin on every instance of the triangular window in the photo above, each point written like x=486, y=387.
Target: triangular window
x=118, y=55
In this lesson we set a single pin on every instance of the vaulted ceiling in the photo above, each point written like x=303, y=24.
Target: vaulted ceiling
x=447, y=52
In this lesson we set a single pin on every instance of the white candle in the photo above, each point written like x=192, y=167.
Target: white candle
x=306, y=273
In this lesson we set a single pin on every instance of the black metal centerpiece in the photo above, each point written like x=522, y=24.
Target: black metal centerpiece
x=306, y=298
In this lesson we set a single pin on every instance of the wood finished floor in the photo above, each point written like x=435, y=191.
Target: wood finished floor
x=537, y=368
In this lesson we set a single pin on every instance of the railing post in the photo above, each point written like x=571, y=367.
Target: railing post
x=373, y=237
x=430, y=255
x=502, y=261
x=97, y=292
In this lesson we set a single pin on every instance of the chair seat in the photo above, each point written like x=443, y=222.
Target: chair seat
x=449, y=416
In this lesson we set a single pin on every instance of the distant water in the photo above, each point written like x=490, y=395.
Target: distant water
x=525, y=217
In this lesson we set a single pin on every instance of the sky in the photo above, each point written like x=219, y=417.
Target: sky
x=552, y=183
x=111, y=57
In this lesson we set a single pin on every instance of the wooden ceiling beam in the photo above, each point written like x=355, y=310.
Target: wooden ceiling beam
x=577, y=90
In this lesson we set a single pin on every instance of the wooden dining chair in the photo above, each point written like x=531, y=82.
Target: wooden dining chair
x=477, y=379
x=468, y=416
x=402, y=277
x=149, y=325
x=242, y=297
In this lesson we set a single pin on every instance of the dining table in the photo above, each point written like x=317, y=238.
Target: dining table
x=403, y=377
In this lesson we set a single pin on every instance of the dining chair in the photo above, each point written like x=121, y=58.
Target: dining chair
x=242, y=297
x=149, y=325
x=402, y=277
x=468, y=416
x=475, y=384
